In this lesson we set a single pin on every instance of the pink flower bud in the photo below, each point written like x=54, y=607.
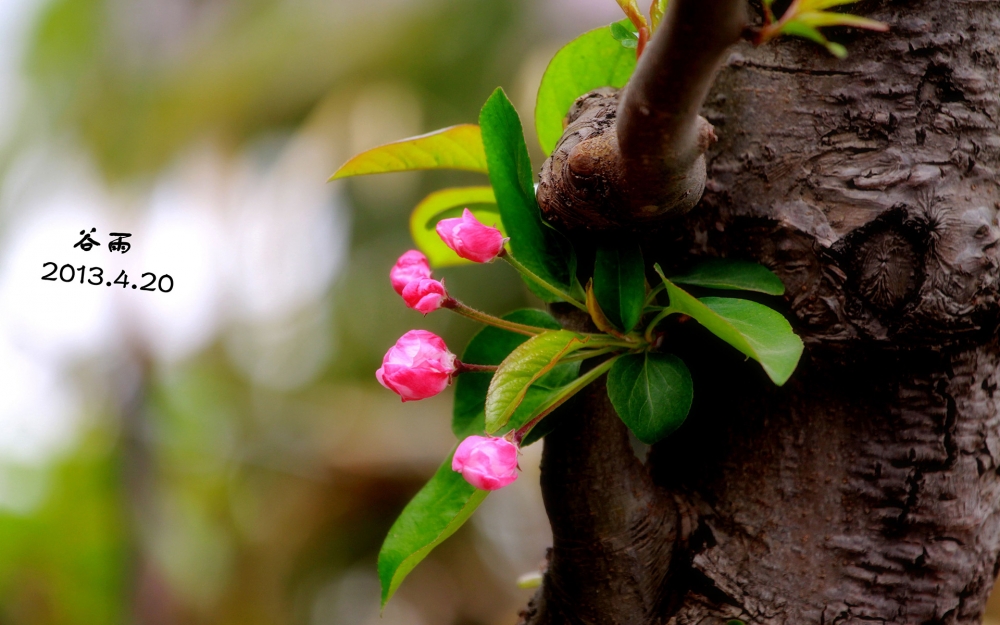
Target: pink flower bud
x=424, y=295
x=469, y=238
x=418, y=366
x=486, y=463
x=411, y=266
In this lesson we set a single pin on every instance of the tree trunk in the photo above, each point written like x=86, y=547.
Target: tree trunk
x=867, y=489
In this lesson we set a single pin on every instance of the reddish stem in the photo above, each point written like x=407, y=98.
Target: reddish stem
x=467, y=367
x=643, y=40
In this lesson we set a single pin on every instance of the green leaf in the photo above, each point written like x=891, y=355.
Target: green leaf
x=735, y=275
x=597, y=314
x=624, y=33
x=590, y=61
x=456, y=147
x=446, y=204
x=489, y=347
x=434, y=514
x=754, y=329
x=819, y=5
x=522, y=368
x=536, y=244
x=556, y=399
x=800, y=29
x=651, y=392
x=631, y=9
x=768, y=333
x=620, y=283
x=821, y=19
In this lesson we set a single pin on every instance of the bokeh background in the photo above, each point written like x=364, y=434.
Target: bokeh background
x=222, y=453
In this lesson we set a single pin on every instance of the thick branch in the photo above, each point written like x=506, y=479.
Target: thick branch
x=660, y=134
x=867, y=488
x=613, y=531
x=622, y=165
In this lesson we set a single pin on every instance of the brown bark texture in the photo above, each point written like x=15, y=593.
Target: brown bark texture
x=867, y=489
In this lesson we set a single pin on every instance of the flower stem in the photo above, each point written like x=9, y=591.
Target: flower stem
x=651, y=298
x=468, y=367
x=666, y=312
x=516, y=264
x=481, y=317
x=568, y=391
x=585, y=354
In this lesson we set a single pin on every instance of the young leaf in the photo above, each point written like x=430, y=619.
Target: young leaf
x=434, y=514
x=735, y=275
x=456, y=147
x=625, y=34
x=820, y=5
x=631, y=9
x=768, y=333
x=592, y=60
x=805, y=31
x=443, y=205
x=656, y=12
x=820, y=19
x=620, y=283
x=651, y=392
x=522, y=368
x=597, y=314
x=803, y=19
x=754, y=329
x=489, y=347
x=557, y=398
x=537, y=245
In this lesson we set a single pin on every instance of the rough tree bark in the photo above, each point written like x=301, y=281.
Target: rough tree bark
x=868, y=488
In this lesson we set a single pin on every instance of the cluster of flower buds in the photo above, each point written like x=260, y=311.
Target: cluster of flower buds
x=411, y=275
x=419, y=365
x=411, y=278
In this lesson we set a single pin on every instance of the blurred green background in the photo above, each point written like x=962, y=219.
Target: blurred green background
x=222, y=453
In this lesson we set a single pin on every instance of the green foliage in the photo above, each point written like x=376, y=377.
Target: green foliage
x=754, y=329
x=556, y=399
x=435, y=513
x=445, y=204
x=624, y=33
x=656, y=12
x=590, y=61
x=800, y=29
x=536, y=244
x=489, y=347
x=651, y=392
x=804, y=18
x=631, y=9
x=522, y=368
x=736, y=275
x=767, y=333
x=456, y=147
x=620, y=283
